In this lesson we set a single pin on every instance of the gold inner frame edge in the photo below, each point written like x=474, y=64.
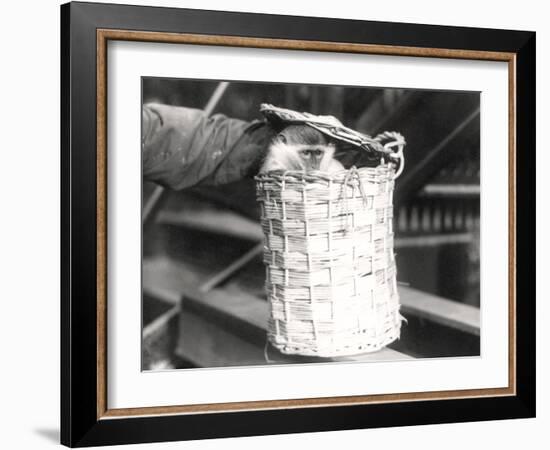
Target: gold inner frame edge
x=103, y=36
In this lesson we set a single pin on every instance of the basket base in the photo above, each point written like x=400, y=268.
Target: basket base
x=357, y=349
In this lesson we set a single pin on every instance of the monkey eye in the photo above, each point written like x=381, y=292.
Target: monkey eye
x=306, y=153
x=316, y=152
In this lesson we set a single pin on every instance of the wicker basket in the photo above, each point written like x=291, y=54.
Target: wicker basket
x=330, y=267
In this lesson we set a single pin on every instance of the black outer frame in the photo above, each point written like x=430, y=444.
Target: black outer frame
x=79, y=423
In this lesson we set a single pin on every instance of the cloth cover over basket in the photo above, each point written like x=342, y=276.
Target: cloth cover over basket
x=330, y=265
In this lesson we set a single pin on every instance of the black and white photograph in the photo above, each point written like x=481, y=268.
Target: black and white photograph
x=299, y=223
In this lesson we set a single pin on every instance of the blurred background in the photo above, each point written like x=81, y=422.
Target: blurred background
x=203, y=298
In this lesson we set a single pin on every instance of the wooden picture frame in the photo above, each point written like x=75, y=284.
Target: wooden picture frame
x=86, y=418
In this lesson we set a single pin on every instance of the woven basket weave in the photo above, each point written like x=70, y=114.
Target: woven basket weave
x=330, y=267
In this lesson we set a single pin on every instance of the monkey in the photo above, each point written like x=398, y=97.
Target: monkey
x=301, y=148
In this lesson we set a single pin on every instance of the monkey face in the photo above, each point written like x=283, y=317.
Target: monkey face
x=300, y=148
x=312, y=157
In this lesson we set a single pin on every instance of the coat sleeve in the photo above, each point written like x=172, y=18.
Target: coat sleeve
x=182, y=147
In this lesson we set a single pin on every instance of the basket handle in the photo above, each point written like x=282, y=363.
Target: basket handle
x=393, y=144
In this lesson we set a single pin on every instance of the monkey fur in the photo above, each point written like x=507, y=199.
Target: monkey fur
x=301, y=148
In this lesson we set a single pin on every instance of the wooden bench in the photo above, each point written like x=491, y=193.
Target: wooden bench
x=224, y=326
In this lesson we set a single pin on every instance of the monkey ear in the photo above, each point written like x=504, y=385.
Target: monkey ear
x=282, y=138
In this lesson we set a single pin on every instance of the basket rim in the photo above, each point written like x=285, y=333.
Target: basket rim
x=311, y=176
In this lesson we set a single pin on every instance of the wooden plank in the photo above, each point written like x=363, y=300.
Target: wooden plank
x=238, y=196
x=437, y=326
x=234, y=316
x=233, y=332
x=445, y=312
x=153, y=204
x=432, y=240
x=212, y=220
x=220, y=347
x=167, y=281
x=232, y=268
x=450, y=190
x=159, y=341
x=207, y=344
x=229, y=324
x=159, y=323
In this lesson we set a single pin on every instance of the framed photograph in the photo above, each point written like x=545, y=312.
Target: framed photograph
x=279, y=224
